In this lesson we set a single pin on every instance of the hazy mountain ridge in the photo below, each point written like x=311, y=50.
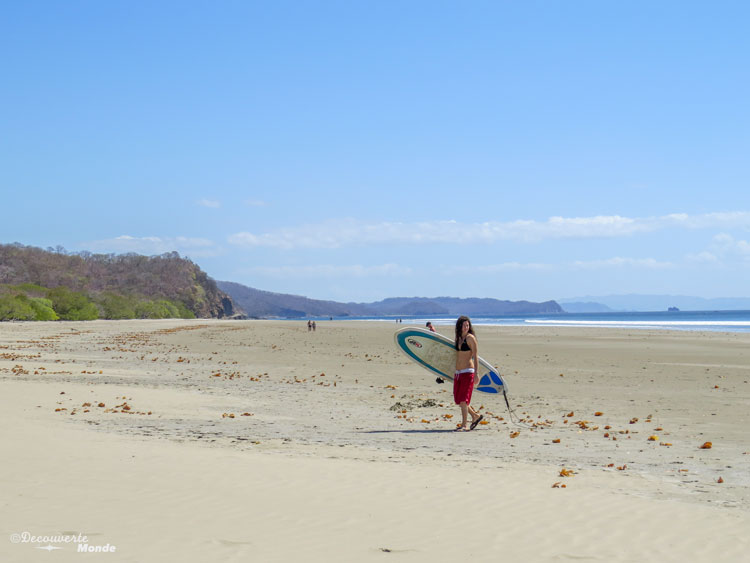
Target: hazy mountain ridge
x=259, y=303
x=637, y=302
x=463, y=306
x=584, y=307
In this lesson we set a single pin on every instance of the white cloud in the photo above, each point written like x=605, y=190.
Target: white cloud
x=608, y=263
x=330, y=271
x=335, y=234
x=723, y=239
x=725, y=244
x=196, y=247
x=724, y=220
x=500, y=268
x=213, y=204
x=395, y=270
x=620, y=262
x=704, y=257
x=254, y=203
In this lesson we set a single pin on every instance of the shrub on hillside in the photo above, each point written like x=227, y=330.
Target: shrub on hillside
x=15, y=308
x=31, y=289
x=162, y=309
x=43, y=310
x=72, y=305
x=19, y=307
x=117, y=307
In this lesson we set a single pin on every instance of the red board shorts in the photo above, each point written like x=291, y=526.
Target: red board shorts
x=463, y=385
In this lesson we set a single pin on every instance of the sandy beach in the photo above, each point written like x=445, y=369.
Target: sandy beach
x=261, y=441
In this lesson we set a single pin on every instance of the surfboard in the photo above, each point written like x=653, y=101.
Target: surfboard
x=437, y=354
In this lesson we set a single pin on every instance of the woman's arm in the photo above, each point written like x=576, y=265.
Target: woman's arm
x=471, y=339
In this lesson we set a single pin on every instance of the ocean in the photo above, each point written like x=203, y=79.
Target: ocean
x=720, y=321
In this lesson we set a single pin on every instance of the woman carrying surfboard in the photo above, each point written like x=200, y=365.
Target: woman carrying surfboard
x=467, y=360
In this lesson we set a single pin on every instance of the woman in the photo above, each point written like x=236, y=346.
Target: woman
x=467, y=361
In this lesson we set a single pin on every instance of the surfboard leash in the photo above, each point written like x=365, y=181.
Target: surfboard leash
x=512, y=413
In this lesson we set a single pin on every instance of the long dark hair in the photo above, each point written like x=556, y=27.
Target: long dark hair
x=459, y=324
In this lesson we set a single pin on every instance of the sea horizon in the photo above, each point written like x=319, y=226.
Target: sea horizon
x=720, y=321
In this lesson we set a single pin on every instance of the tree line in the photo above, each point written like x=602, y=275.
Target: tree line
x=37, y=284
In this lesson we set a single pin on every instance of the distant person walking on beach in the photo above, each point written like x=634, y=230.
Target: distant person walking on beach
x=467, y=360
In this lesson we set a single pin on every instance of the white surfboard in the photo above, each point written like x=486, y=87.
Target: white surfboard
x=437, y=354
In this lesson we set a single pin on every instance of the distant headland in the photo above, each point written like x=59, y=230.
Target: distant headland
x=258, y=303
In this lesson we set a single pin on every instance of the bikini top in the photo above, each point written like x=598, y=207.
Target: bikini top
x=464, y=347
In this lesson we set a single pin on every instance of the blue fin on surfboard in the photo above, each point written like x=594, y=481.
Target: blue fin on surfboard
x=486, y=383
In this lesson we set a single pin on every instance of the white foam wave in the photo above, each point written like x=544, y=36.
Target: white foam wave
x=640, y=323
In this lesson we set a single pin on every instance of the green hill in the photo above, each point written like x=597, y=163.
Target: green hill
x=38, y=284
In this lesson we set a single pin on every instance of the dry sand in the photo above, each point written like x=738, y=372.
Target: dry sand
x=261, y=441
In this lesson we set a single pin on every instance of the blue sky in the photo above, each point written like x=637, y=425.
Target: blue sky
x=361, y=150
